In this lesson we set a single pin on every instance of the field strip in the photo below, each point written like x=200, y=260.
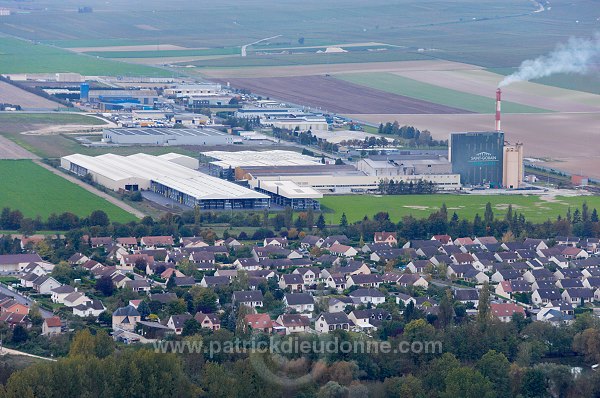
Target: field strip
x=569, y=138
x=322, y=69
x=396, y=84
x=11, y=150
x=10, y=94
x=143, y=47
x=484, y=83
x=93, y=190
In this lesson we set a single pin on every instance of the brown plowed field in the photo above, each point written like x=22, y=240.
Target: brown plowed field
x=334, y=95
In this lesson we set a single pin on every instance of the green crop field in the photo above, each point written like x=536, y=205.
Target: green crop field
x=36, y=191
x=535, y=208
x=396, y=84
x=165, y=53
x=48, y=118
x=19, y=56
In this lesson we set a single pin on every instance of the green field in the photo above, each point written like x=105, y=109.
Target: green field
x=462, y=30
x=400, y=85
x=466, y=206
x=166, y=53
x=588, y=83
x=36, y=191
x=20, y=56
x=48, y=118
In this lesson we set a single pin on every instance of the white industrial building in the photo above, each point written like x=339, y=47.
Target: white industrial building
x=166, y=176
x=344, y=184
x=225, y=163
x=167, y=136
x=193, y=90
x=304, y=123
x=288, y=193
x=404, y=165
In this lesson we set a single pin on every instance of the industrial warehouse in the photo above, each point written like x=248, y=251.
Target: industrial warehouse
x=166, y=175
x=305, y=171
x=166, y=136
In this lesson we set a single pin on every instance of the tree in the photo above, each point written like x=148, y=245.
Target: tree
x=332, y=390
x=466, y=382
x=190, y=327
x=144, y=309
x=496, y=367
x=105, y=286
x=343, y=221
x=99, y=218
x=484, y=313
x=446, y=312
x=321, y=222
x=534, y=384
x=488, y=216
x=19, y=334
x=35, y=315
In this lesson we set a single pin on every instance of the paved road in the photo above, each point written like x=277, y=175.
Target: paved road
x=10, y=150
x=23, y=300
x=93, y=190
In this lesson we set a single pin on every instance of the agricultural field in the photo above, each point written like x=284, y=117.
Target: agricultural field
x=10, y=94
x=535, y=208
x=20, y=56
x=460, y=30
x=36, y=191
x=333, y=95
x=400, y=85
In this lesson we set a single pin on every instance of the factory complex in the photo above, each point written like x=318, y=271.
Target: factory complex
x=165, y=175
x=167, y=136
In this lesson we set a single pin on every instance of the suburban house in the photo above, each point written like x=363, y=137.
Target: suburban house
x=505, y=311
x=176, y=322
x=294, y=282
x=369, y=319
x=509, y=288
x=89, y=308
x=300, y=302
x=208, y=321
x=386, y=237
x=253, y=298
x=339, y=304
x=125, y=318
x=328, y=322
x=294, y=323
x=365, y=296
x=258, y=323
x=9, y=305
x=544, y=296
x=370, y=280
x=578, y=296
x=157, y=241
x=58, y=294
x=342, y=250
x=51, y=326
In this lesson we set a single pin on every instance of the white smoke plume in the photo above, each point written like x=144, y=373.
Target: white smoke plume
x=577, y=56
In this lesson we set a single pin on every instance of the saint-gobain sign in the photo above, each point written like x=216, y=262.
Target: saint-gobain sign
x=483, y=157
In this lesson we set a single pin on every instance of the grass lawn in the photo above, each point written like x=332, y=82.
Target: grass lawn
x=535, y=208
x=50, y=118
x=400, y=85
x=36, y=191
x=166, y=53
x=20, y=56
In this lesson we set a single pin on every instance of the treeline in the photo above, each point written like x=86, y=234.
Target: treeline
x=304, y=138
x=411, y=134
x=391, y=187
x=480, y=358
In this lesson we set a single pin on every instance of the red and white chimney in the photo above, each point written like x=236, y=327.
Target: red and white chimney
x=498, y=108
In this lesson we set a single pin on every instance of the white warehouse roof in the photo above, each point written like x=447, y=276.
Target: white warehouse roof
x=160, y=170
x=288, y=189
x=260, y=158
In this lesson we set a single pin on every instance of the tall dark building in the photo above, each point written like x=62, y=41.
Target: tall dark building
x=478, y=157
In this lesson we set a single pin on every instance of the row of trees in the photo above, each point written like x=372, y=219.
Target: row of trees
x=411, y=134
x=391, y=187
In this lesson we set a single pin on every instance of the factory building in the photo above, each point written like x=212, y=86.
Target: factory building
x=165, y=175
x=392, y=165
x=304, y=123
x=223, y=164
x=121, y=99
x=167, y=136
x=267, y=113
x=512, y=176
x=193, y=90
x=478, y=157
x=288, y=193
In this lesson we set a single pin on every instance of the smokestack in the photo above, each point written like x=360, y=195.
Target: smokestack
x=498, y=108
